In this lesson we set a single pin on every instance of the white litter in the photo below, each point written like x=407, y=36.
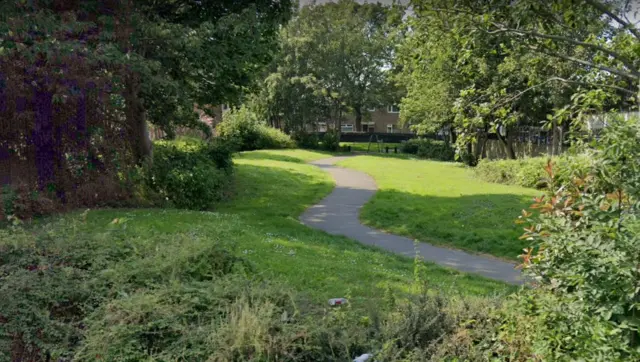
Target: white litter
x=337, y=301
x=363, y=358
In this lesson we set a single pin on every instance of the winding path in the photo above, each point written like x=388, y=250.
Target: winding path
x=338, y=214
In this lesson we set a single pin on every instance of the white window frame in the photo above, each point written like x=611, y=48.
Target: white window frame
x=225, y=107
x=343, y=126
x=390, y=128
x=372, y=109
x=390, y=109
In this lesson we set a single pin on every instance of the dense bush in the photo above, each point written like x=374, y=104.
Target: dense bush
x=307, y=140
x=243, y=128
x=190, y=175
x=529, y=172
x=331, y=141
x=583, y=261
x=429, y=149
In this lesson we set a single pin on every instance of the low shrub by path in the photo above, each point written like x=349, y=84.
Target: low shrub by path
x=529, y=172
x=442, y=203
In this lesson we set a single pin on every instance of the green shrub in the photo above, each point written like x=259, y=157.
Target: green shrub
x=247, y=132
x=529, y=172
x=585, y=247
x=272, y=138
x=307, y=140
x=331, y=141
x=192, y=176
x=428, y=149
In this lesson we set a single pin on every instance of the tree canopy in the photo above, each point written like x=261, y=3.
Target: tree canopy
x=335, y=58
x=160, y=58
x=489, y=66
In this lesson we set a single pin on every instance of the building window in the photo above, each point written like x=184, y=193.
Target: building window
x=225, y=107
x=393, y=109
x=372, y=109
x=368, y=127
x=346, y=128
x=322, y=127
x=389, y=128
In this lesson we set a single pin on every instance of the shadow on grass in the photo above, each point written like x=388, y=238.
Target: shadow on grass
x=262, y=224
x=266, y=155
x=478, y=223
x=258, y=155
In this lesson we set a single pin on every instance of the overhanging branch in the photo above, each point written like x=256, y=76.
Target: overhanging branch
x=621, y=73
x=605, y=10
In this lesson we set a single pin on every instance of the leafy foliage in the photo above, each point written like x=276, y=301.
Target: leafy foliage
x=529, y=172
x=486, y=68
x=584, y=258
x=331, y=140
x=334, y=58
x=429, y=149
x=308, y=140
x=243, y=128
x=192, y=176
x=79, y=80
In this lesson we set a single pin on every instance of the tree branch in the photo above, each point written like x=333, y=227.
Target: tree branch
x=588, y=84
x=624, y=60
x=621, y=73
x=604, y=9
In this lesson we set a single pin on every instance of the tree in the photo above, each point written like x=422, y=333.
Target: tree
x=337, y=57
x=161, y=57
x=599, y=34
x=485, y=67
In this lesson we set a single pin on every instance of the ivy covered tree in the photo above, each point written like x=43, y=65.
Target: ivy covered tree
x=157, y=59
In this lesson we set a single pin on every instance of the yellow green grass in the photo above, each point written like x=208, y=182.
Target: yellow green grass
x=442, y=203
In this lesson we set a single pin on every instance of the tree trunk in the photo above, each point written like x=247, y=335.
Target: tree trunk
x=453, y=135
x=510, y=149
x=43, y=137
x=508, y=145
x=358, y=111
x=481, y=140
x=134, y=110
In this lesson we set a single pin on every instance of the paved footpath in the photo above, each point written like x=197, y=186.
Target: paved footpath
x=338, y=214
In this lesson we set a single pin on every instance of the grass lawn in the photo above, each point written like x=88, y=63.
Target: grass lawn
x=444, y=204
x=260, y=224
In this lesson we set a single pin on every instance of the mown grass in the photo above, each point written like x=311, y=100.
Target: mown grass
x=444, y=204
x=260, y=224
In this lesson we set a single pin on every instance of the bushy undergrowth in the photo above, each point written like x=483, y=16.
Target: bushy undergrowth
x=529, y=172
x=331, y=141
x=428, y=149
x=192, y=175
x=306, y=140
x=583, y=261
x=73, y=295
x=243, y=128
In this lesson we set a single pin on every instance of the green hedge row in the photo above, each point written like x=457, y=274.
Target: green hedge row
x=429, y=149
x=529, y=172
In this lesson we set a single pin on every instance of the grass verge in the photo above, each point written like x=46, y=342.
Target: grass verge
x=442, y=203
x=247, y=281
